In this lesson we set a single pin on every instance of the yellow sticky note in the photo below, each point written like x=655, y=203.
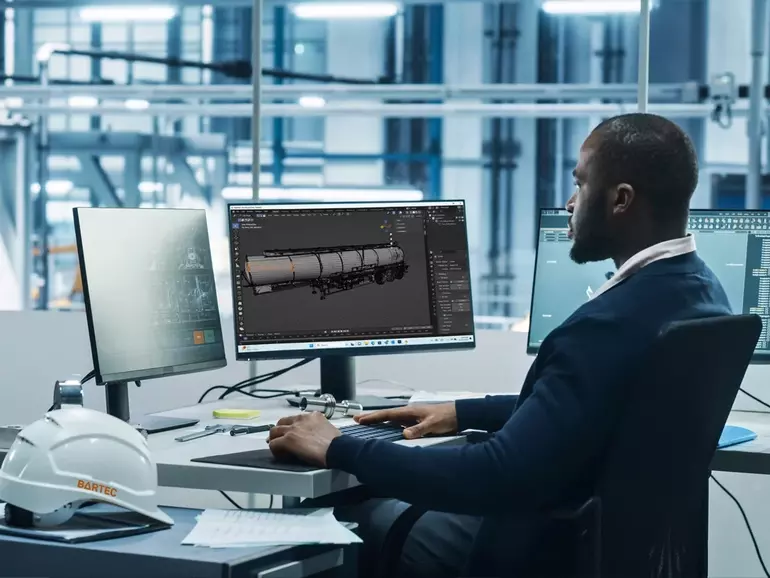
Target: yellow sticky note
x=236, y=413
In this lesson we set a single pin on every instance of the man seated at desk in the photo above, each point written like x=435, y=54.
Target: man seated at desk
x=634, y=180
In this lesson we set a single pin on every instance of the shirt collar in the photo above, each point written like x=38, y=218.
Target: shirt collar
x=664, y=250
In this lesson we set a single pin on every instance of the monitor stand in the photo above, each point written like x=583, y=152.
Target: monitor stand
x=338, y=377
x=116, y=394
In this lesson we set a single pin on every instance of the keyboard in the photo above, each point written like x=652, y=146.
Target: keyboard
x=381, y=431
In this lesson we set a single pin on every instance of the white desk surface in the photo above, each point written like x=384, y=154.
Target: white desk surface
x=176, y=470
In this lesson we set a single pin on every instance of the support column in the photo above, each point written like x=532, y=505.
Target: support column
x=24, y=49
x=279, y=51
x=355, y=49
x=463, y=135
x=524, y=202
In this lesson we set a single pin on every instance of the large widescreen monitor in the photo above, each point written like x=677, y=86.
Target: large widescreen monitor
x=734, y=244
x=337, y=280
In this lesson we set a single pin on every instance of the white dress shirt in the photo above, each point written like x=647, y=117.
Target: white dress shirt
x=664, y=250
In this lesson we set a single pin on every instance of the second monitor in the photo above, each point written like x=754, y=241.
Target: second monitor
x=734, y=244
x=338, y=280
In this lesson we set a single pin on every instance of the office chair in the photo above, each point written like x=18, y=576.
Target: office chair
x=648, y=515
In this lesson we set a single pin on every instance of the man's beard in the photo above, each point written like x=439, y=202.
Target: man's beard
x=592, y=240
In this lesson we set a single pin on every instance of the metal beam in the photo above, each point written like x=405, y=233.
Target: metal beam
x=126, y=143
x=98, y=180
x=668, y=92
x=185, y=176
x=25, y=4
x=643, y=83
x=502, y=110
x=759, y=25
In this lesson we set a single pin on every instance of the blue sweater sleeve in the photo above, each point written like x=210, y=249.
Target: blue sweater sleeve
x=538, y=453
x=488, y=413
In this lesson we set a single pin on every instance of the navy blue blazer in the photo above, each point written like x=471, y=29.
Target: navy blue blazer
x=550, y=439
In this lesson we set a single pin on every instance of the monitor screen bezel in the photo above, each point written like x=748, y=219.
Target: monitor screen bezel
x=303, y=349
x=150, y=372
x=756, y=358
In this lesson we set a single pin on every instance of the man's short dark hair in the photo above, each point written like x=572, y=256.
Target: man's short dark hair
x=650, y=153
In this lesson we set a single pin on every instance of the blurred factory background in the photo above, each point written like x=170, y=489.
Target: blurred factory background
x=150, y=104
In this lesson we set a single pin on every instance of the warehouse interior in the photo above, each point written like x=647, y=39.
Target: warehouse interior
x=200, y=103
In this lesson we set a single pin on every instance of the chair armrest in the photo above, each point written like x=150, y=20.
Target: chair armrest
x=393, y=545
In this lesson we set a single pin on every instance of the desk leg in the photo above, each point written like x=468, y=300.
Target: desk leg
x=289, y=502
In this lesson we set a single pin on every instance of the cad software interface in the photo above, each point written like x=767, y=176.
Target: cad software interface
x=734, y=244
x=350, y=275
x=151, y=291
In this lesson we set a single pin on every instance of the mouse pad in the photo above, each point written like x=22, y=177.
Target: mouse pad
x=262, y=459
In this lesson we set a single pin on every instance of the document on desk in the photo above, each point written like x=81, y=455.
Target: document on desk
x=249, y=528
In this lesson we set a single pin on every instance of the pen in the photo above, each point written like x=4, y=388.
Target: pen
x=249, y=429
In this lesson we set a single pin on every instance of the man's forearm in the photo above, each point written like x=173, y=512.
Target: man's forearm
x=488, y=414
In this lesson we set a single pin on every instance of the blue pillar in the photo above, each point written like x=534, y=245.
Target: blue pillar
x=435, y=76
x=279, y=51
x=174, y=50
x=96, y=66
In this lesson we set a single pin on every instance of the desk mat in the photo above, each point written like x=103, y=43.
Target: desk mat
x=260, y=459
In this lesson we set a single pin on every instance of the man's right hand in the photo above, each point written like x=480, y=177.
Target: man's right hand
x=420, y=420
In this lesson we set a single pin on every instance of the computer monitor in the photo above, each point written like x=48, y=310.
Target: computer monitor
x=150, y=299
x=338, y=280
x=734, y=244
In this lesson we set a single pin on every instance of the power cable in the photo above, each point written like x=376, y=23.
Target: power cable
x=754, y=397
x=238, y=506
x=252, y=381
x=748, y=525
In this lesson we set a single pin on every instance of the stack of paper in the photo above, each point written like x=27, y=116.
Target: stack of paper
x=244, y=528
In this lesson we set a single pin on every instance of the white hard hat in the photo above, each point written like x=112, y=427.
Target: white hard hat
x=77, y=455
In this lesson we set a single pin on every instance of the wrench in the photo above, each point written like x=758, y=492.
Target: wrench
x=207, y=431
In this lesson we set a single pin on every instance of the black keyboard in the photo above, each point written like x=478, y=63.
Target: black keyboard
x=381, y=431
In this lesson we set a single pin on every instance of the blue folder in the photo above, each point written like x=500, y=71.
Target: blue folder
x=733, y=435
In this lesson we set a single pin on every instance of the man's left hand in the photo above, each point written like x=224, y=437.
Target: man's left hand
x=306, y=436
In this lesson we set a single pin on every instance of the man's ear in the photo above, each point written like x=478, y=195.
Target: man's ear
x=623, y=198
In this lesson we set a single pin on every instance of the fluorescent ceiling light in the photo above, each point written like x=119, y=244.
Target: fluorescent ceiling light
x=323, y=194
x=82, y=101
x=137, y=104
x=148, y=187
x=123, y=13
x=54, y=188
x=592, y=6
x=312, y=101
x=344, y=10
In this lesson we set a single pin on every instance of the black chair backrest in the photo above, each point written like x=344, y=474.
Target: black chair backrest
x=654, y=483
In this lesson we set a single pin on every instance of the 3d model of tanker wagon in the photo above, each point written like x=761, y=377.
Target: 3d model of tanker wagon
x=327, y=270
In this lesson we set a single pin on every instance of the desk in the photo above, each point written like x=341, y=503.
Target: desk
x=176, y=470
x=752, y=457
x=160, y=554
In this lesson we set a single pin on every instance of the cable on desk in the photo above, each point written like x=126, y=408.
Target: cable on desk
x=241, y=385
x=229, y=499
x=754, y=397
x=234, y=503
x=748, y=525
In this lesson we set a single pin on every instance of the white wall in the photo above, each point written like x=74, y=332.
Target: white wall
x=36, y=348
x=354, y=49
x=731, y=20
